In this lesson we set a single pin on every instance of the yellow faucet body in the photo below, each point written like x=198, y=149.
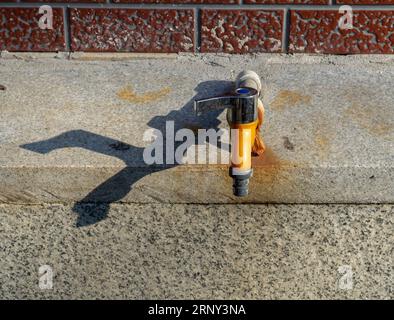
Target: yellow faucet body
x=245, y=142
x=245, y=113
x=242, y=141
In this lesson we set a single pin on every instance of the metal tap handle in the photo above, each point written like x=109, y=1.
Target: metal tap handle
x=242, y=106
x=216, y=103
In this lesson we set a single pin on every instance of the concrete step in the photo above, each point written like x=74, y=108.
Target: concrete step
x=167, y=251
x=72, y=130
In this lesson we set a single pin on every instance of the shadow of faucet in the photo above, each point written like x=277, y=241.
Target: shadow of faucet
x=94, y=206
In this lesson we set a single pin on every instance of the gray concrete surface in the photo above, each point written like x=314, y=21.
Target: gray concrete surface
x=162, y=251
x=71, y=131
x=329, y=128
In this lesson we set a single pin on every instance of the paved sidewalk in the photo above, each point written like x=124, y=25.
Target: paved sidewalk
x=162, y=251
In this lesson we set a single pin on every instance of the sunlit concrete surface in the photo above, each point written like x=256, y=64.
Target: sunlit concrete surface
x=77, y=196
x=72, y=129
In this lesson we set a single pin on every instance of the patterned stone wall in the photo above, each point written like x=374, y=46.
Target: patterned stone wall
x=230, y=26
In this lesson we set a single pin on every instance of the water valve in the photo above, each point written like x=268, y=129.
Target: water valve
x=245, y=113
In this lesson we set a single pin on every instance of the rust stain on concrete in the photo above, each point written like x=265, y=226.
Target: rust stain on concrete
x=273, y=174
x=267, y=159
x=323, y=135
x=270, y=163
x=289, y=98
x=127, y=93
x=270, y=172
x=322, y=143
x=371, y=118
